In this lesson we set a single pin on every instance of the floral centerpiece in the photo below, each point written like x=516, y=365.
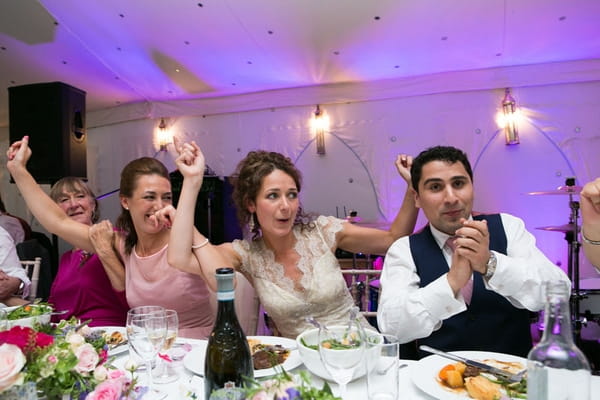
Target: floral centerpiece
x=285, y=386
x=63, y=359
x=282, y=386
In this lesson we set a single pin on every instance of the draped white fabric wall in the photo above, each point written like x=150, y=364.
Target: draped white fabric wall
x=560, y=137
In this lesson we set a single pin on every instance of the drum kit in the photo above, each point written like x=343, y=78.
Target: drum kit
x=580, y=296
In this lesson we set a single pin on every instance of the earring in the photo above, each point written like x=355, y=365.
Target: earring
x=251, y=222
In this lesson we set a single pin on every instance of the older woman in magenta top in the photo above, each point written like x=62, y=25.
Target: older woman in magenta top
x=147, y=275
x=81, y=285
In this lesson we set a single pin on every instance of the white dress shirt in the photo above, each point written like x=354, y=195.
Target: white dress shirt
x=411, y=312
x=13, y=226
x=9, y=261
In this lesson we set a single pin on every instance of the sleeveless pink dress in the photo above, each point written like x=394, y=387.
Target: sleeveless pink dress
x=151, y=281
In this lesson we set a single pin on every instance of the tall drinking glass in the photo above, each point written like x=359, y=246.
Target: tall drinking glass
x=164, y=371
x=382, y=360
x=146, y=333
x=342, y=350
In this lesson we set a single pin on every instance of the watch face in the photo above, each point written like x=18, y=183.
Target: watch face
x=491, y=266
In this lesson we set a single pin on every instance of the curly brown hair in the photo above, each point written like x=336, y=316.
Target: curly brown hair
x=247, y=181
x=129, y=177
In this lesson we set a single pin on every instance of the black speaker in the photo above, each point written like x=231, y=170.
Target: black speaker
x=53, y=116
x=215, y=215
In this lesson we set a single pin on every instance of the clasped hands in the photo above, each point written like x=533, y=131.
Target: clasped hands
x=471, y=254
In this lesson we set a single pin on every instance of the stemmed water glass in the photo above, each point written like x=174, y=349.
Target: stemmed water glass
x=146, y=333
x=164, y=371
x=342, y=350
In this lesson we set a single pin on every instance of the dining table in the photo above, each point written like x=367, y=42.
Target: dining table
x=190, y=385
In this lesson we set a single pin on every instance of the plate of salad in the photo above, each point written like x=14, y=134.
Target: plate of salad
x=28, y=314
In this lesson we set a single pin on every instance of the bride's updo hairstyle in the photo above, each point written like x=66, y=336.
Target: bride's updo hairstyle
x=247, y=181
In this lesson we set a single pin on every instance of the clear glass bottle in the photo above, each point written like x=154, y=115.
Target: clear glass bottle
x=228, y=360
x=556, y=368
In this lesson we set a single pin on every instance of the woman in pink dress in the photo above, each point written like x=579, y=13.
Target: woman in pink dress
x=142, y=241
x=81, y=286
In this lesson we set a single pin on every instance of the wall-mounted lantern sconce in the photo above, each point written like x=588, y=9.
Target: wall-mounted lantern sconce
x=163, y=136
x=320, y=123
x=509, y=109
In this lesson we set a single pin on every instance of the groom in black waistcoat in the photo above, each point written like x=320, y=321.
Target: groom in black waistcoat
x=465, y=281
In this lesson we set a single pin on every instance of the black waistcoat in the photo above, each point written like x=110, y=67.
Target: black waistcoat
x=490, y=322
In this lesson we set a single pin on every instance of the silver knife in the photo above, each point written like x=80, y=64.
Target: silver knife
x=485, y=367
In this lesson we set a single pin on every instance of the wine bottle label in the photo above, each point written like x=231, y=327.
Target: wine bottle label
x=228, y=392
x=225, y=295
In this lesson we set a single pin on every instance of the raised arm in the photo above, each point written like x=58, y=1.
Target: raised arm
x=590, y=216
x=45, y=210
x=357, y=239
x=189, y=250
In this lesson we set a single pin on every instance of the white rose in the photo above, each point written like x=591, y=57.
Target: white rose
x=85, y=330
x=12, y=363
x=131, y=365
x=75, y=339
x=100, y=373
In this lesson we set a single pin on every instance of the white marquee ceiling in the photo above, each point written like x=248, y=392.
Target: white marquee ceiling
x=128, y=51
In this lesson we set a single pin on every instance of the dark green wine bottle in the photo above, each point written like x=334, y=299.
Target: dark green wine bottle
x=228, y=360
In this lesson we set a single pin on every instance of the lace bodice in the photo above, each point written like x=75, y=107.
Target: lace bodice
x=321, y=292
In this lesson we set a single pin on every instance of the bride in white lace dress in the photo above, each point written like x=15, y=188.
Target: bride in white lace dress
x=288, y=256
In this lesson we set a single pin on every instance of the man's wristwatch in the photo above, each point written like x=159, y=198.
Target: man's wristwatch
x=490, y=266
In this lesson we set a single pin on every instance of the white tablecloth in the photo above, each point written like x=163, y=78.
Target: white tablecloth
x=356, y=390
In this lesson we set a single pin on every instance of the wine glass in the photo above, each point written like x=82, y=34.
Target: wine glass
x=164, y=371
x=146, y=333
x=342, y=351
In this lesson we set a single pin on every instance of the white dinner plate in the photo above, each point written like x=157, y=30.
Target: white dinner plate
x=118, y=349
x=424, y=372
x=194, y=360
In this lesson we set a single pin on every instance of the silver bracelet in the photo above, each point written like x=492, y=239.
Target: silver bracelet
x=198, y=246
x=589, y=241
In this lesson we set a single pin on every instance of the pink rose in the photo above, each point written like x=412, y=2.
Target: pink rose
x=107, y=390
x=262, y=395
x=12, y=362
x=115, y=374
x=88, y=358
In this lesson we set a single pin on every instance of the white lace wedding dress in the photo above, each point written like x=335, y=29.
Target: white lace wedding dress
x=321, y=292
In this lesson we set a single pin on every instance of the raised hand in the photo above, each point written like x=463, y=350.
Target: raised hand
x=403, y=164
x=590, y=204
x=164, y=217
x=18, y=154
x=190, y=161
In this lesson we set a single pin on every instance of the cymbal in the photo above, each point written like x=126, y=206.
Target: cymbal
x=560, y=190
x=559, y=228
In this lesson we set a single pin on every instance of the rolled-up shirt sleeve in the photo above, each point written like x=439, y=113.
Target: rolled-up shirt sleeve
x=9, y=260
x=405, y=309
x=521, y=274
